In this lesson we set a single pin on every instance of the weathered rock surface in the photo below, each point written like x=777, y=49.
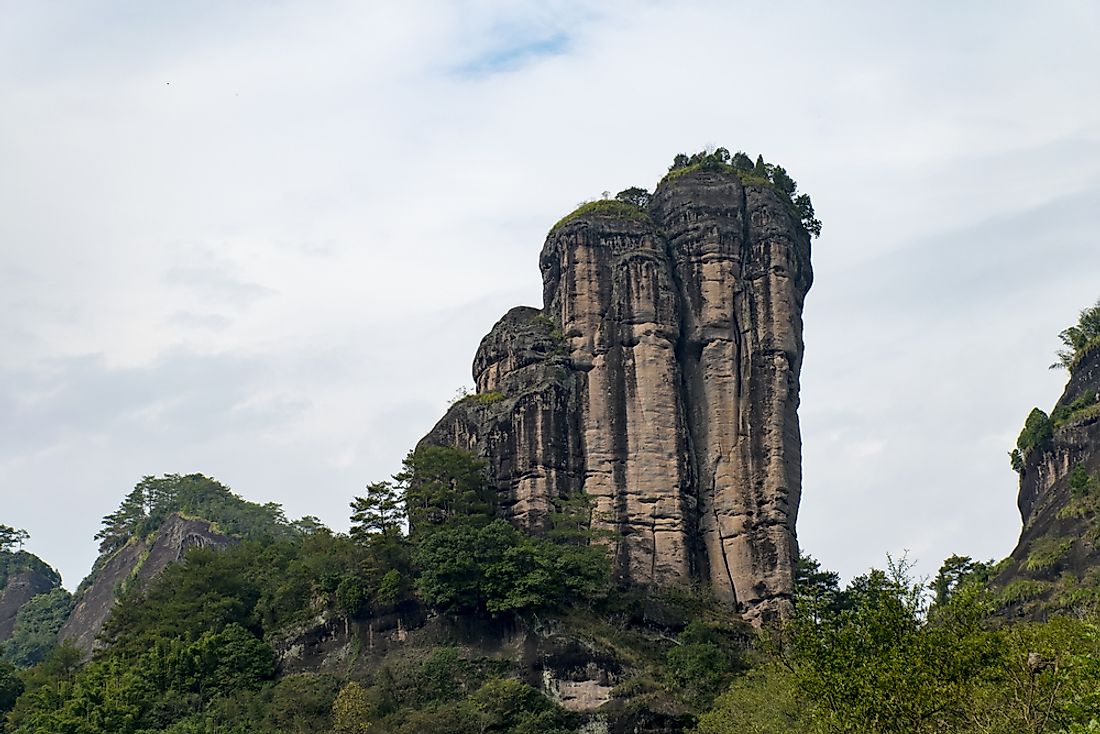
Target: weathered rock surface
x=1057, y=559
x=138, y=562
x=26, y=578
x=577, y=669
x=660, y=378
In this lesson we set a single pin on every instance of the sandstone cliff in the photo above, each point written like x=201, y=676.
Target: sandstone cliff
x=661, y=379
x=1056, y=564
x=138, y=562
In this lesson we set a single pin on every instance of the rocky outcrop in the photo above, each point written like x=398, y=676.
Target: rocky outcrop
x=1056, y=563
x=137, y=563
x=22, y=577
x=660, y=379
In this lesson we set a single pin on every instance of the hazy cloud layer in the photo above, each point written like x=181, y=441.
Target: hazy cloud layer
x=262, y=240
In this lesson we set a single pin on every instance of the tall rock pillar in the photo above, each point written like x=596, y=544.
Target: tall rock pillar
x=660, y=378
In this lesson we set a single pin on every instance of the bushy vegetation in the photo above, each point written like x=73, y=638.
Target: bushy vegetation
x=37, y=621
x=619, y=209
x=1083, y=406
x=1037, y=433
x=1079, y=339
x=193, y=651
x=1046, y=552
x=36, y=628
x=759, y=172
x=892, y=659
x=196, y=650
x=12, y=539
x=155, y=499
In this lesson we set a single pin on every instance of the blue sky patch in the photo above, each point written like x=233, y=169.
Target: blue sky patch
x=511, y=54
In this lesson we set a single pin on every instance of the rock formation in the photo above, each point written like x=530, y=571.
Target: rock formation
x=22, y=577
x=138, y=562
x=660, y=379
x=1057, y=559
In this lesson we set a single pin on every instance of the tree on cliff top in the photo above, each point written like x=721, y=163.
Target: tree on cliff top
x=777, y=176
x=12, y=538
x=1079, y=338
x=154, y=499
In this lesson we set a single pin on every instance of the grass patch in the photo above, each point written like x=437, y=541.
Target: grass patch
x=551, y=326
x=746, y=177
x=1046, y=552
x=1083, y=352
x=1023, y=590
x=1077, y=507
x=483, y=398
x=604, y=208
x=1085, y=406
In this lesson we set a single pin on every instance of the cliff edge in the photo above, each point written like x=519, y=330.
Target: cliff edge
x=1056, y=563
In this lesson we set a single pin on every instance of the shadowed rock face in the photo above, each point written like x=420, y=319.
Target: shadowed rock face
x=138, y=562
x=1059, y=544
x=21, y=587
x=661, y=379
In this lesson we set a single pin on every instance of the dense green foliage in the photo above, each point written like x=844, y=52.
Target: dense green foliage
x=193, y=651
x=196, y=650
x=36, y=627
x=12, y=538
x=494, y=568
x=1079, y=339
x=634, y=195
x=892, y=658
x=1037, y=433
x=154, y=499
x=11, y=687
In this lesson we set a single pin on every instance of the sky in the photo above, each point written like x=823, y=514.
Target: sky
x=262, y=240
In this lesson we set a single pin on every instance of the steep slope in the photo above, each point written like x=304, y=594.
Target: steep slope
x=154, y=526
x=1056, y=564
x=23, y=576
x=138, y=562
x=660, y=379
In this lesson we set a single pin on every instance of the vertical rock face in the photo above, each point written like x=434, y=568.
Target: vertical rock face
x=609, y=283
x=1058, y=554
x=522, y=417
x=661, y=379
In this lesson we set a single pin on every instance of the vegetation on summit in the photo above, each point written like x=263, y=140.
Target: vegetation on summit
x=632, y=203
x=1079, y=339
x=759, y=172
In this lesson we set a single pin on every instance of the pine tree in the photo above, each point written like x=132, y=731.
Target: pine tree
x=11, y=538
x=379, y=512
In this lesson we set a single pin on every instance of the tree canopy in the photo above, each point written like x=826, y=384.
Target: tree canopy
x=154, y=499
x=12, y=538
x=1079, y=338
x=777, y=176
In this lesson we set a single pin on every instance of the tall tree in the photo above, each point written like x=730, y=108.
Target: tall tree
x=12, y=538
x=379, y=511
x=124, y=522
x=443, y=484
